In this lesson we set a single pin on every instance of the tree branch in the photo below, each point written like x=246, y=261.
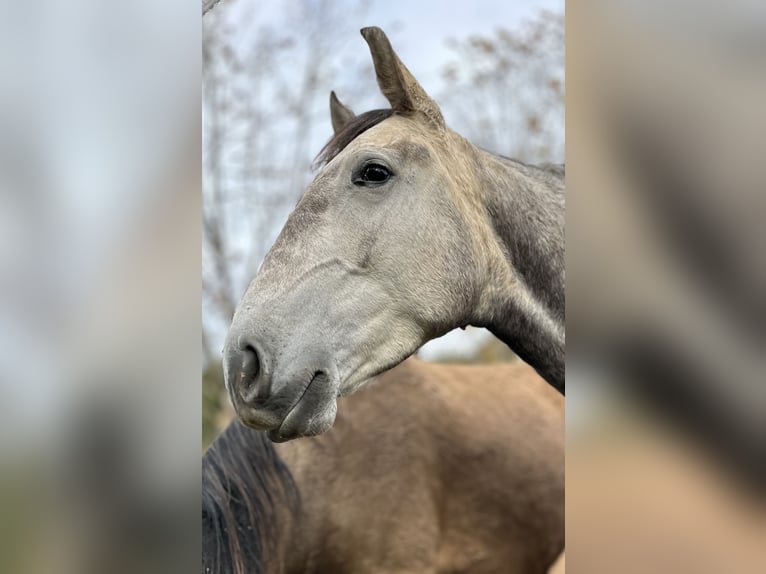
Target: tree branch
x=207, y=5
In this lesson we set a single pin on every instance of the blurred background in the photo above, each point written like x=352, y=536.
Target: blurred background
x=495, y=68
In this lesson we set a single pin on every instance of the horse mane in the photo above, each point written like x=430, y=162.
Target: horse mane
x=245, y=490
x=349, y=133
x=556, y=170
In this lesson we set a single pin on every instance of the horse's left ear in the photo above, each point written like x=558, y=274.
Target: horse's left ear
x=401, y=89
x=340, y=113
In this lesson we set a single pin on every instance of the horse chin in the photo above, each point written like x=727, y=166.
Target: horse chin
x=313, y=414
x=297, y=428
x=260, y=420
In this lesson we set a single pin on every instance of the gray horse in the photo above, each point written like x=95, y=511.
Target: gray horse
x=407, y=231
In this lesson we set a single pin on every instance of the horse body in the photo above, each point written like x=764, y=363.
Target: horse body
x=407, y=231
x=431, y=468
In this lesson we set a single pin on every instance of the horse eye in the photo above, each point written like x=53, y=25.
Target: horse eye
x=373, y=174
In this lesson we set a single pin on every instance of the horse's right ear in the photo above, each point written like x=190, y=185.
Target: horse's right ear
x=400, y=88
x=340, y=113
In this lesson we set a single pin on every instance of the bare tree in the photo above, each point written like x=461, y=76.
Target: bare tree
x=506, y=90
x=208, y=5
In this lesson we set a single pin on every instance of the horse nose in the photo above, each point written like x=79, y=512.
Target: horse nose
x=245, y=373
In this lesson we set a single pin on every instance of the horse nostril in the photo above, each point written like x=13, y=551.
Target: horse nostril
x=245, y=373
x=251, y=367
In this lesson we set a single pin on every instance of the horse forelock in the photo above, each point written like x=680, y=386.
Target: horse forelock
x=246, y=492
x=349, y=133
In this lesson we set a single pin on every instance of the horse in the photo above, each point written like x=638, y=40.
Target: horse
x=407, y=232
x=430, y=469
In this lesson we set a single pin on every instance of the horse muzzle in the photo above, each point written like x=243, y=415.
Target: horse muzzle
x=291, y=400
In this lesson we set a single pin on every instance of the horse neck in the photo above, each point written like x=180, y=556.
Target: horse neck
x=525, y=207
x=249, y=503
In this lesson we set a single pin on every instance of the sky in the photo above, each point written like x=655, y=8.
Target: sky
x=418, y=29
x=428, y=23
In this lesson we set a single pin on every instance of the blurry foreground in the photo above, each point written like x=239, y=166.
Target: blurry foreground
x=99, y=289
x=666, y=459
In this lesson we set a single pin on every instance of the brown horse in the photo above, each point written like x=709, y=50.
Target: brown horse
x=407, y=231
x=430, y=469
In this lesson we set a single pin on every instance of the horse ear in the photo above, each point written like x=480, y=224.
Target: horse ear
x=396, y=82
x=340, y=113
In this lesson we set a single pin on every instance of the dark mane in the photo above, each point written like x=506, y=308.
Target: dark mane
x=245, y=485
x=350, y=132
